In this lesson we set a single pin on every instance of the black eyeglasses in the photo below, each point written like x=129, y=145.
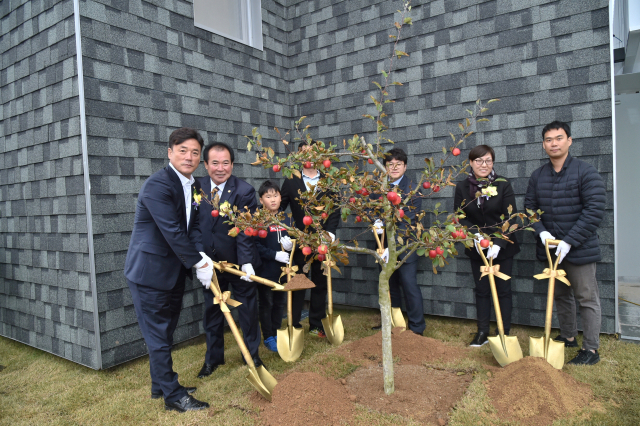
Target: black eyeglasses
x=480, y=162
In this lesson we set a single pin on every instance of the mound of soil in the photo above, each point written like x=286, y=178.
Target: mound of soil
x=302, y=399
x=532, y=392
x=299, y=282
x=410, y=348
x=422, y=394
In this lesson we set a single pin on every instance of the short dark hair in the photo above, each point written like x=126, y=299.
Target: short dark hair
x=395, y=154
x=555, y=125
x=267, y=186
x=218, y=146
x=481, y=151
x=182, y=134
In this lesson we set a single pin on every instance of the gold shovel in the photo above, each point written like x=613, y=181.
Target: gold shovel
x=290, y=340
x=259, y=377
x=397, y=319
x=505, y=349
x=333, y=327
x=234, y=269
x=544, y=347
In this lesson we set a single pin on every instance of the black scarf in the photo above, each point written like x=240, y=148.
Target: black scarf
x=475, y=185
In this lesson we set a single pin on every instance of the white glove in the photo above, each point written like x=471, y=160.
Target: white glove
x=282, y=256
x=205, y=274
x=493, y=251
x=332, y=235
x=563, y=250
x=379, y=226
x=205, y=259
x=286, y=243
x=477, y=242
x=247, y=268
x=544, y=236
x=385, y=255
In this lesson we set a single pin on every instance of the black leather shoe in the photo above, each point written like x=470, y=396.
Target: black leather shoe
x=207, y=369
x=256, y=360
x=479, y=339
x=567, y=343
x=189, y=390
x=377, y=327
x=187, y=403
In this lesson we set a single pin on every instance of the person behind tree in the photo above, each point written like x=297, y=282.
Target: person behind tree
x=273, y=253
x=571, y=194
x=482, y=212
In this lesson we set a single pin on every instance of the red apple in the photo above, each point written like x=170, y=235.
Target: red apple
x=461, y=234
x=439, y=250
x=321, y=257
x=306, y=250
x=432, y=254
x=392, y=196
x=262, y=233
x=370, y=161
x=455, y=152
x=215, y=213
x=234, y=231
x=359, y=191
x=326, y=163
x=307, y=220
x=397, y=201
x=365, y=192
x=358, y=219
x=322, y=249
x=276, y=168
x=352, y=200
x=248, y=232
x=307, y=164
x=484, y=243
x=426, y=185
x=454, y=234
x=324, y=215
x=401, y=213
x=436, y=188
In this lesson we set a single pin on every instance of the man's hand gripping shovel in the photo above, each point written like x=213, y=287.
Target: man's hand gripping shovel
x=505, y=349
x=290, y=340
x=544, y=347
x=259, y=377
x=397, y=319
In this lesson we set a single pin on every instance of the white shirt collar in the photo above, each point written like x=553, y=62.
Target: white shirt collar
x=398, y=181
x=183, y=179
x=220, y=187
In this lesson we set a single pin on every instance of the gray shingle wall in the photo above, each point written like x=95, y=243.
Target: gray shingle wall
x=45, y=297
x=545, y=60
x=148, y=71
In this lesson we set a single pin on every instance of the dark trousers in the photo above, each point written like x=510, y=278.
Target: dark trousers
x=158, y=312
x=245, y=293
x=484, y=302
x=317, y=302
x=405, y=278
x=271, y=306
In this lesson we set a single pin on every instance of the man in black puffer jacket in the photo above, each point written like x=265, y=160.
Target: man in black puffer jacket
x=572, y=197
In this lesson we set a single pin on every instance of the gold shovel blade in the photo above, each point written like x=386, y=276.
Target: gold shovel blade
x=507, y=353
x=397, y=319
x=334, y=329
x=554, y=353
x=262, y=381
x=290, y=346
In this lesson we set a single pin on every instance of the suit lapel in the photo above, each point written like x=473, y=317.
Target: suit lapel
x=195, y=188
x=182, y=212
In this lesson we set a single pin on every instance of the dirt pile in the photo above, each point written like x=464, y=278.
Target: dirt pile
x=299, y=282
x=532, y=392
x=410, y=348
x=308, y=399
x=422, y=394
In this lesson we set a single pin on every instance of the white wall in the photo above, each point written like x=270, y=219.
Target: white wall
x=628, y=184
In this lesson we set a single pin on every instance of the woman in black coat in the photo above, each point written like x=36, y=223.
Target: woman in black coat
x=481, y=216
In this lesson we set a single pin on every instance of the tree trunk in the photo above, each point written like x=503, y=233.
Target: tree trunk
x=385, y=314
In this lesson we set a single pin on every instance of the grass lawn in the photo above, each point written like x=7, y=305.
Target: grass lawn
x=37, y=388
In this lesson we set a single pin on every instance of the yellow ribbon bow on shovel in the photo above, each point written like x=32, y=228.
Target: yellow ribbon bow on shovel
x=493, y=270
x=226, y=300
x=552, y=273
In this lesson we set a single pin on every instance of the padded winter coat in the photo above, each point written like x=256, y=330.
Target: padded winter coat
x=573, y=202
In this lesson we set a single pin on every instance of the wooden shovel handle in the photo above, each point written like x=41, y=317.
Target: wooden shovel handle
x=548, y=243
x=255, y=278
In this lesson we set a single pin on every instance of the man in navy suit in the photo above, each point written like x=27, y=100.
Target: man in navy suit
x=395, y=160
x=164, y=246
x=240, y=250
